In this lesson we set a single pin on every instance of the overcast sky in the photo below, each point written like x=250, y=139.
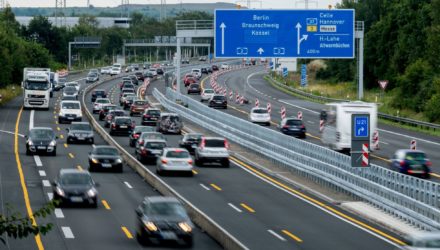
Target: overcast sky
x=273, y=4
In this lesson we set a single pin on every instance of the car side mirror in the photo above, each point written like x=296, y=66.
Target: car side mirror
x=138, y=211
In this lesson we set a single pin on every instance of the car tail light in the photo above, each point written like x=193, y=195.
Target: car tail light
x=410, y=171
x=146, y=116
x=144, y=151
x=302, y=126
x=164, y=161
x=203, y=143
x=140, y=142
x=136, y=136
x=226, y=144
x=428, y=163
x=286, y=126
x=133, y=125
x=190, y=161
x=113, y=125
x=402, y=163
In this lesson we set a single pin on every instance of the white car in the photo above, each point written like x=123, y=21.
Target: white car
x=206, y=94
x=73, y=84
x=175, y=159
x=224, y=66
x=99, y=103
x=115, y=71
x=69, y=111
x=259, y=115
x=197, y=73
x=153, y=71
x=105, y=70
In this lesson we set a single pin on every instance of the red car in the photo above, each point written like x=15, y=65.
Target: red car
x=138, y=107
x=189, y=80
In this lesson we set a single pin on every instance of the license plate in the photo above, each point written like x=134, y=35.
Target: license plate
x=70, y=118
x=156, y=152
x=194, y=146
x=154, y=118
x=169, y=235
x=106, y=165
x=41, y=147
x=76, y=199
x=123, y=126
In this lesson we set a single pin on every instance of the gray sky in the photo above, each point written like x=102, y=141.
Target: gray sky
x=272, y=4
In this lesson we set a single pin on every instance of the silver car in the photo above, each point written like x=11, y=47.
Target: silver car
x=99, y=103
x=175, y=159
x=206, y=94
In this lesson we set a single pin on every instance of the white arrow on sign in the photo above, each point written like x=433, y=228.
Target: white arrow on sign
x=304, y=37
x=223, y=27
x=260, y=51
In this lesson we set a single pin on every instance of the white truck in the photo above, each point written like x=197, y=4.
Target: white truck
x=37, y=87
x=337, y=127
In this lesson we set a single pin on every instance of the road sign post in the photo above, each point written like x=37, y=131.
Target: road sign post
x=303, y=75
x=360, y=140
x=284, y=33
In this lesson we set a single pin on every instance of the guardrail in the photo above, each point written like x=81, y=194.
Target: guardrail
x=411, y=199
x=223, y=237
x=397, y=119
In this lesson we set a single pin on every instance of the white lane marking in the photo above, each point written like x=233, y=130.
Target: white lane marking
x=42, y=173
x=37, y=160
x=310, y=122
x=296, y=106
x=11, y=133
x=31, y=119
x=205, y=187
x=276, y=235
x=67, y=232
x=50, y=196
x=58, y=213
x=386, y=143
x=127, y=184
x=411, y=137
x=46, y=183
x=319, y=207
x=234, y=207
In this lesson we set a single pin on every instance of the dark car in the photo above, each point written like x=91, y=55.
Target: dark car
x=194, y=88
x=80, y=132
x=127, y=85
x=76, y=187
x=105, y=158
x=138, y=107
x=150, y=150
x=98, y=93
x=92, y=77
x=128, y=101
x=190, y=141
x=170, y=123
x=293, y=126
x=112, y=114
x=148, y=135
x=159, y=71
x=121, y=125
x=150, y=116
x=138, y=130
x=41, y=140
x=214, y=67
x=411, y=162
x=205, y=70
x=139, y=76
x=163, y=219
x=134, y=79
x=104, y=111
x=148, y=74
x=218, y=101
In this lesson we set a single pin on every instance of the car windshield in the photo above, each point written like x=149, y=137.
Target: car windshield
x=76, y=179
x=118, y=113
x=103, y=101
x=194, y=85
x=153, y=112
x=123, y=121
x=92, y=75
x=209, y=91
x=70, y=105
x=140, y=103
x=105, y=151
x=218, y=97
x=214, y=143
x=69, y=89
x=128, y=91
x=260, y=111
x=140, y=129
x=293, y=122
x=115, y=69
x=42, y=134
x=177, y=154
x=31, y=85
x=156, y=145
x=71, y=85
x=153, y=135
x=130, y=97
x=415, y=156
x=99, y=92
x=193, y=137
x=171, y=118
x=165, y=209
x=81, y=126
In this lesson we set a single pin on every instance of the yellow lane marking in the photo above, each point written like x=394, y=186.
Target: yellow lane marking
x=380, y=158
x=104, y=202
x=62, y=136
x=54, y=112
x=71, y=155
x=291, y=235
x=55, y=117
x=127, y=233
x=194, y=172
x=216, y=187
x=79, y=168
x=56, y=122
x=58, y=128
x=248, y=208
x=22, y=182
x=318, y=203
x=435, y=175
x=315, y=137
x=65, y=145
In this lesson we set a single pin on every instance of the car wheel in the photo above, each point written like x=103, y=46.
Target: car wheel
x=28, y=152
x=198, y=162
x=60, y=120
x=111, y=132
x=190, y=174
x=131, y=143
x=131, y=114
x=225, y=163
x=159, y=172
x=189, y=242
x=95, y=204
x=54, y=152
x=120, y=169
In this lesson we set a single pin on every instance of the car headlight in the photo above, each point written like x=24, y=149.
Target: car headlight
x=150, y=226
x=30, y=143
x=91, y=192
x=61, y=113
x=52, y=143
x=59, y=191
x=185, y=227
x=118, y=160
x=95, y=161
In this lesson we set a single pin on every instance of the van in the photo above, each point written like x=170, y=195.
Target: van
x=170, y=123
x=196, y=72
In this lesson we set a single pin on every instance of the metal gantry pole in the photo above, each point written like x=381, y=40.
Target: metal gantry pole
x=179, y=60
x=359, y=34
x=70, y=56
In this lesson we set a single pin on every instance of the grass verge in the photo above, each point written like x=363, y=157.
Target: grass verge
x=9, y=92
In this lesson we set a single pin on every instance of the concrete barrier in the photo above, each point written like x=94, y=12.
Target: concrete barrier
x=224, y=238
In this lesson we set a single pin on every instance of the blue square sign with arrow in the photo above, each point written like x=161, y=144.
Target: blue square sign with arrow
x=361, y=128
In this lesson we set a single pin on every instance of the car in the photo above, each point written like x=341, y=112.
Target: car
x=128, y=101
x=212, y=150
x=148, y=135
x=115, y=71
x=129, y=69
x=170, y=123
x=138, y=107
x=205, y=70
x=190, y=141
x=259, y=115
x=105, y=157
x=80, y=132
x=214, y=67
x=159, y=71
x=61, y=82
x=92, y=77
x=128, y=84
x=185, y=61
x=127, y=90
x=202, y=58
x=73, y=84
x=121, y=125
x=148, y=74
x=153, y=71
x=75, y=186
x=194, y=88
x=69, y=98
x=136, y=133
x=162, y=219
x=206, y=94
x=411, y=162
x=98, y=93
x=150, y=150
x=69, y=111
x=197, y=73
x=135, y=80
x=174, y=160
x=123, y=96
x=105, y=70
x=41, y=140
x=104, y=111
x=151, y=116
x=422, y=241
x=218, y=101
x=293, y=126
x=99, y=103
x=111, y=116
x=135, y=66
x=70, y=91
x=189, y=80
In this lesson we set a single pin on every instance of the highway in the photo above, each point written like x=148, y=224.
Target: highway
x=250, y=82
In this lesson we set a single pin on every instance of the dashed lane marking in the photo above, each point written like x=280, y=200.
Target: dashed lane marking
x=37, y=160
x=248, y=208
x=42, y=173
x=46, y=183
x=58, y=213
x=127, y=233
x=276, y=235
x=68, y=234
x=291, y=235
x=205, y=187
x=235, y=208
x=216, y=187
x=106, y=205
x=127, y=184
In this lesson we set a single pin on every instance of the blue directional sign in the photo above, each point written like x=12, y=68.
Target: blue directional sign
x=303, y=75
x=361, y=128
x=284, y=33
x=285, y=72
